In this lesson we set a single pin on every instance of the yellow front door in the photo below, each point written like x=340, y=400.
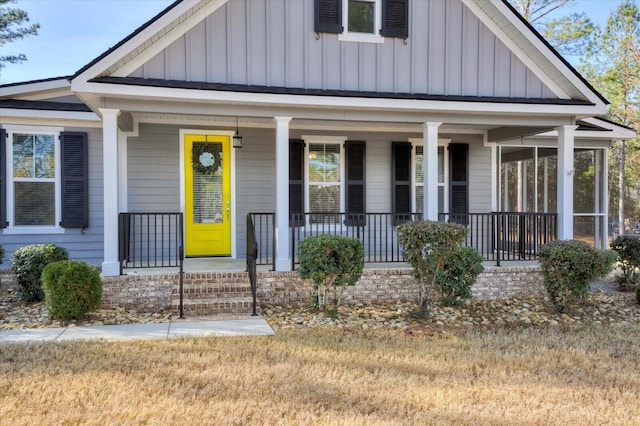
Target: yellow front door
x=207, y=195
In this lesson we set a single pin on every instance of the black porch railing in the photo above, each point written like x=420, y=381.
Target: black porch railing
x=252, y=256
x=377, y=231
x=264, y=225
x=152, y=240
x=506, y=236
x=498, y=236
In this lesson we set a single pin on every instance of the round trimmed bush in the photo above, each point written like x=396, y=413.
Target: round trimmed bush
x=28, y=262
x=638, y=293
x=569, y=266
x=71, y=289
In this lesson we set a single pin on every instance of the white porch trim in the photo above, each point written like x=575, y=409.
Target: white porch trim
x=110, y=157
x=283, y=263
x=430, y=170
x=566, y=135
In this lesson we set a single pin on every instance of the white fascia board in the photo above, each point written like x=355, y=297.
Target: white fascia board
x=621, y=132
x=33, y=114
x=588, y=134
x=524, y=57
x=22, y=91
x=142, y=47
x=270, y=99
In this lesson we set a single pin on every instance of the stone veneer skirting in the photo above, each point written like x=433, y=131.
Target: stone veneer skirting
x=153, y=292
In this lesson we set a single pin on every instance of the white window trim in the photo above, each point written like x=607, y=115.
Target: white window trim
x=375, y=37
x=326, y=140
x=441, y=143
x=12, y=229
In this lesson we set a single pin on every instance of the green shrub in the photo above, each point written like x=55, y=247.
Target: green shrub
x=71, y=289
x=1, y=253
x=28, y=262
x=426, y=246
x=628, y=250
x=460, y=271
x=569, y=267
x=332, y=262
x=638, y=293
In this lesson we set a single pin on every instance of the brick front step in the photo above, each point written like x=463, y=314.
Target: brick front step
x=213, y=291
x=209, y=307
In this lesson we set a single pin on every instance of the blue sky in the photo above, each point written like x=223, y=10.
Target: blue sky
x=74, y=32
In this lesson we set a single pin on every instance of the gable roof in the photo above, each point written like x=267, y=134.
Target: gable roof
x=497, y=15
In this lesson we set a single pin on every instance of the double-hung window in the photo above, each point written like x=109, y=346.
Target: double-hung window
x=43, y=180
x=325, y=171
x=327, y=175
x=33, y=178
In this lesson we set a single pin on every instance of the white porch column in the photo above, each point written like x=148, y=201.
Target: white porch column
x=430, y=170
x=110, y=265
x=565, y=181
x=283, y=263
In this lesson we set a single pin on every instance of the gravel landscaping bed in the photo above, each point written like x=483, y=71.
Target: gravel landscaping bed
x=605, y=306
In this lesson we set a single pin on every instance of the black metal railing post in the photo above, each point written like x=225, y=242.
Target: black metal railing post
x=252, y=256
x=181, y=254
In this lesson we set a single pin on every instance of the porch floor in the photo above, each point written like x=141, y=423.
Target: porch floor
x=212, y=264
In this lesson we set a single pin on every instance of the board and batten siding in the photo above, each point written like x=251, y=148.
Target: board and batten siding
x=273, y=43
x=86, y=245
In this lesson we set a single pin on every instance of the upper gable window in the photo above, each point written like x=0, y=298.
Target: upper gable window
x=363, y=21
x=366, y=20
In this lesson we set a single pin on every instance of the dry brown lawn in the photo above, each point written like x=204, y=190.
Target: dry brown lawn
x=518, y=376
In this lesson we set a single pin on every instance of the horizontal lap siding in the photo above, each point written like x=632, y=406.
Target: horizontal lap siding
x=154, y=169
x=255, y=179
x=85, y=246
x=479, y=176
x=273, y=43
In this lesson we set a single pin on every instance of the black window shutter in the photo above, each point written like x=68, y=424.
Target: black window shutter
x=458, y=182
x=328, y=16
x=75, y=180
x=3, y=179
x=355, y=180
x=401, y=181
x=395, y=18
x=296, y=180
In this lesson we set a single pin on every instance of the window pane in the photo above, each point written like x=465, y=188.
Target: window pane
x=35, y=203
x=547, y=179
x=33, y=156
x=441, y=199
x=324, y=198
x=361, y=16
x=419, y=164
x=584, y=185
x=419, y=199
x=441, y=164
x=208, y=183
x=324, y=163
x=44, y=159
x=22, y=156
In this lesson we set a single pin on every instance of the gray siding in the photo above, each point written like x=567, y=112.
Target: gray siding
x=154, y=169
x=154, y=179
x=87, y=246
x=272, y=43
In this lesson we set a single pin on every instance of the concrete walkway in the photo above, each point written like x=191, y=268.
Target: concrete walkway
x=177, y=328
